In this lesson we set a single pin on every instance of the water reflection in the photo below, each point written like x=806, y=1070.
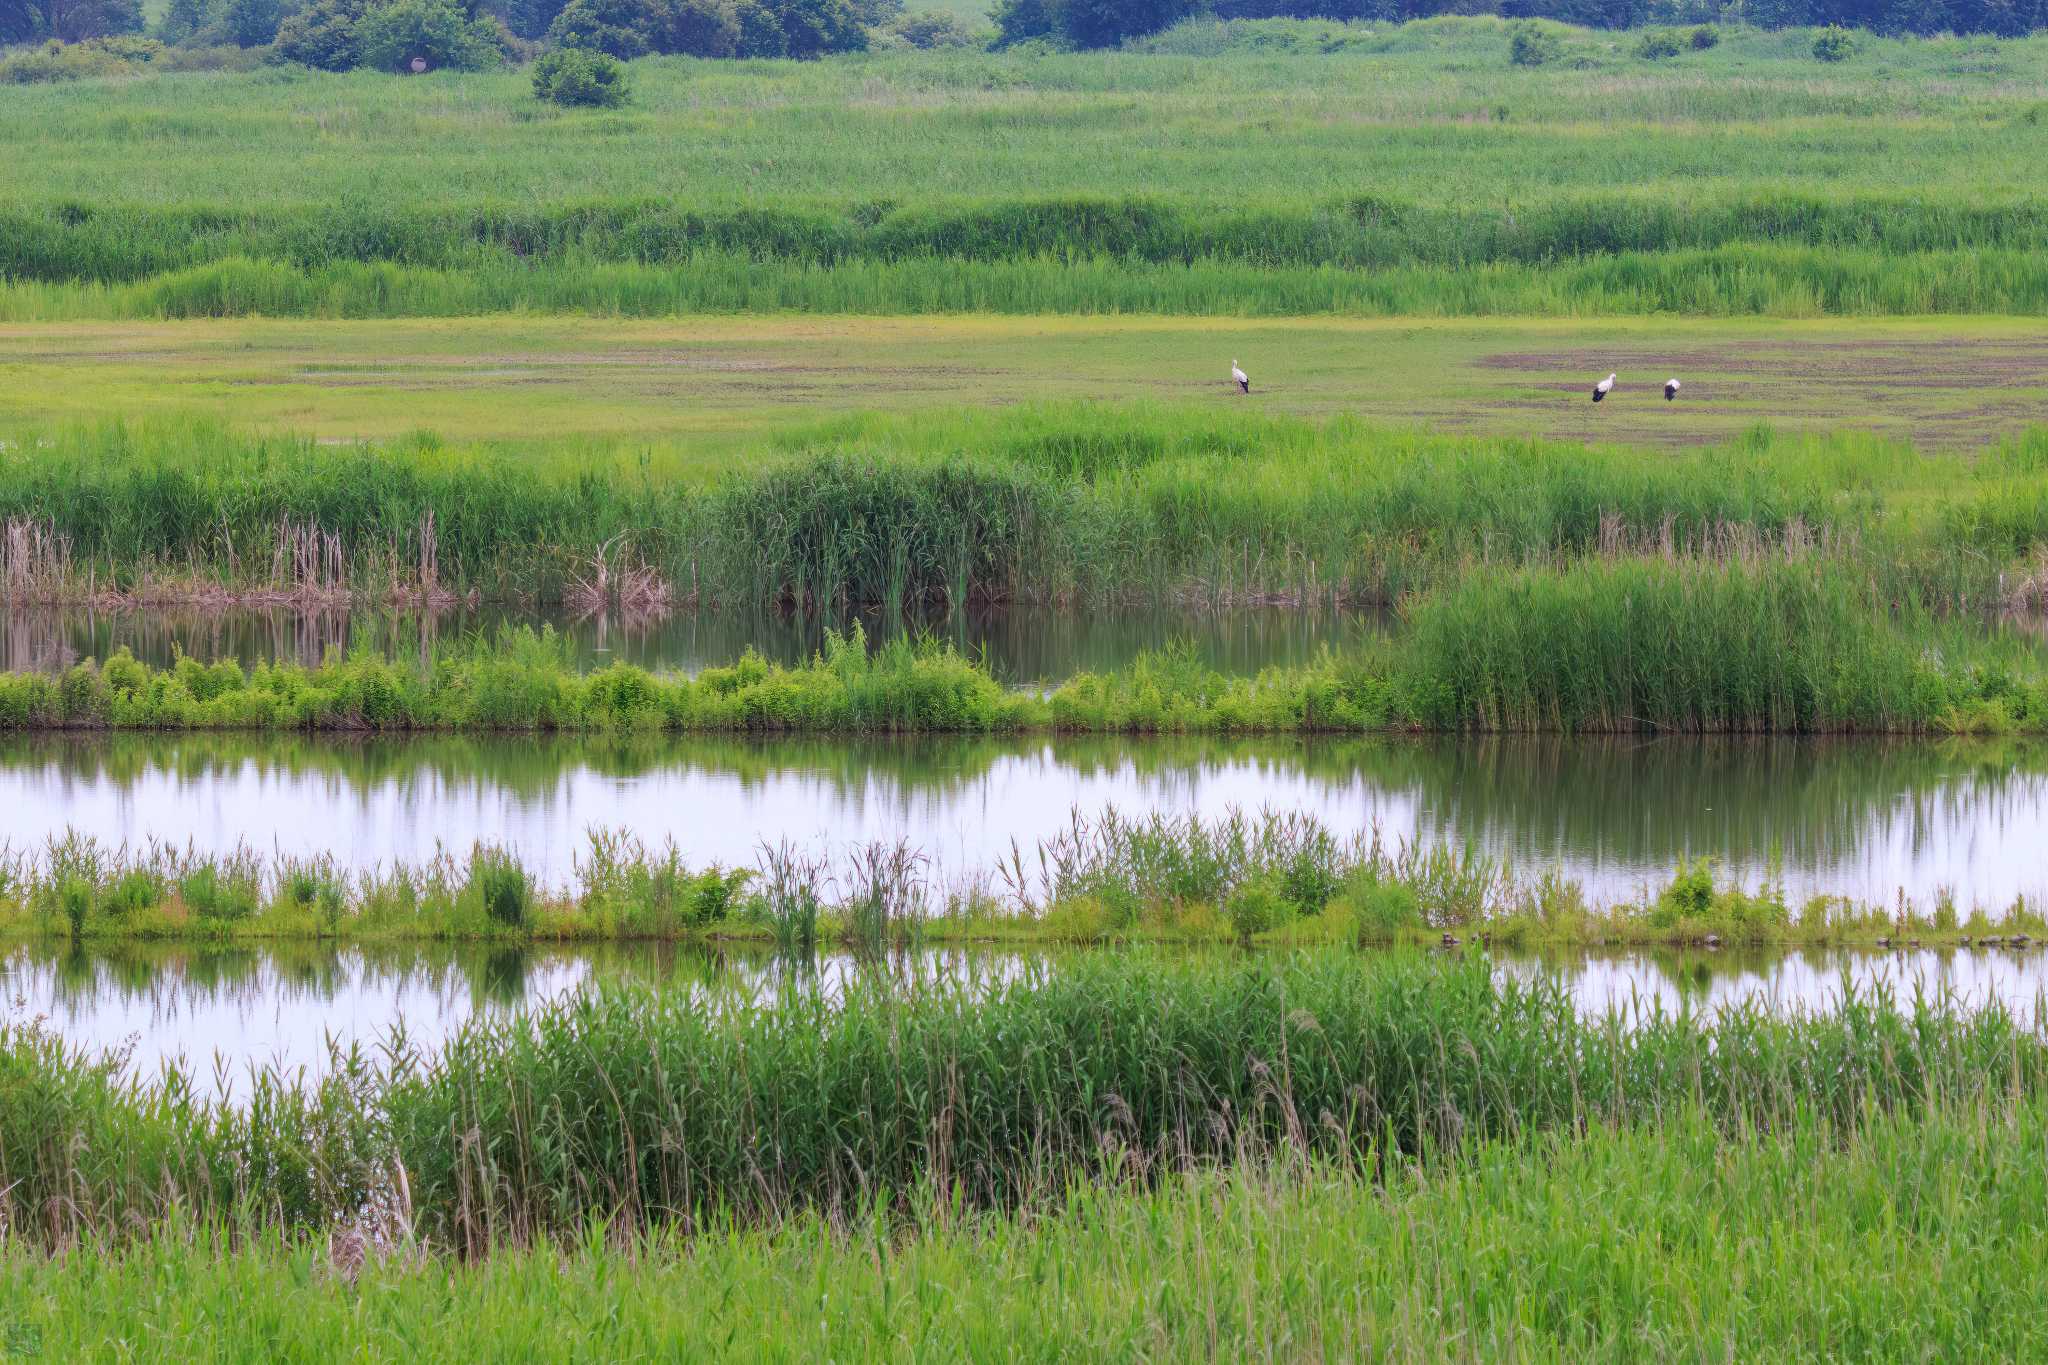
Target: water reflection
x=223, y=1011
x=1019, y=644
x=1860, y=818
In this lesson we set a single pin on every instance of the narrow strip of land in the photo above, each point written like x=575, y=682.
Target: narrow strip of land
x=1946, y=383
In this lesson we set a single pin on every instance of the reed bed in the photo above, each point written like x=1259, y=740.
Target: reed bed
x=1062, y=504
x=122, y=244
x=1269, y=879
x=647, y=1111
x=1759, y=279
x=1906, y=1236
x=1778, y=645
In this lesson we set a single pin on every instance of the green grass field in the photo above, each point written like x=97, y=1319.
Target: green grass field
x=1429, y=112
x=703, y=387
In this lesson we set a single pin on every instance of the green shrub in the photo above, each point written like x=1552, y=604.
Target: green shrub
x=501, y=887
x=931, y=29
x=1534, y=45
x=1834, y=44
x=1657, y=45
x=1704, y=37
x=391, y=36
x=323, y=35
x=572, y=77
x=1256, y=906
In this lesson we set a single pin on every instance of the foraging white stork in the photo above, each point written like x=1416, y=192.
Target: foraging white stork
x=1670, y=389
x=1603, y=388
x=1244, y=381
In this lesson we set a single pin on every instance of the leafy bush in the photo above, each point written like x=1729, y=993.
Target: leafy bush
x=814, y=28
x=391, y=36
x=1256, y=906
x=1534, y=45
x=323, y=35
x=1704, y=37
x=1834, y=44
x=624, y=29
x=930, y=29
x=56, y=61
x=573, y=77
x=1657, y=45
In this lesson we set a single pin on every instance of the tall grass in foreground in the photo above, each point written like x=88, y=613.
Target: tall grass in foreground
x=1062, y=504
x=683, y=1111
x=1904, y=1237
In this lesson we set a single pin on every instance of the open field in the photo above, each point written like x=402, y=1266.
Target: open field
x=1429, y=112
x=704, y=387
x=1410, y=171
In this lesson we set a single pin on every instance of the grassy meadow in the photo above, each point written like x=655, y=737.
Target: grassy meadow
x=697, y=393
x=915, y=330
x=1265, y=169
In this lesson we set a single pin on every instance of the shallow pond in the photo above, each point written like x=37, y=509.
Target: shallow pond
x=1867, y=819
x=223, y=1011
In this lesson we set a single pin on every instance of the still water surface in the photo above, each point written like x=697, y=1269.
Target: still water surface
x=222, y=1012
x=1871, y=820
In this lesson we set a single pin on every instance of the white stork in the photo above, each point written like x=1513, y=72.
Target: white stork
x=1244, y=381
x=1670, y=389
x=1603, y=388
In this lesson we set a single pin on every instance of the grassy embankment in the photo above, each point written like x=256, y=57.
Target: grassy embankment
x=1412, y=171
x=1911, y=1236
x=1272, y=881
x=1058, y=504
x=1318, y=1154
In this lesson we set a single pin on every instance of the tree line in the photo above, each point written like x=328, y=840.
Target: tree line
x=340, y=34
x=1105, y=23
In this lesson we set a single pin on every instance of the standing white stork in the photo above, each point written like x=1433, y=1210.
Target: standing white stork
x=1244, y=381
x=1603, y=388
x=1670, y=389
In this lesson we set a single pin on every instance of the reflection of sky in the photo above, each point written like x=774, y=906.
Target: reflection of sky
x=284, y=1012
x=219, y=1022
x=1852, y=827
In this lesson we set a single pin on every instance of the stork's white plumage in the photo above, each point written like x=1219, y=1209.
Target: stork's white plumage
x=1603, y=388
x=1243, y=380
x=1670, y=389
